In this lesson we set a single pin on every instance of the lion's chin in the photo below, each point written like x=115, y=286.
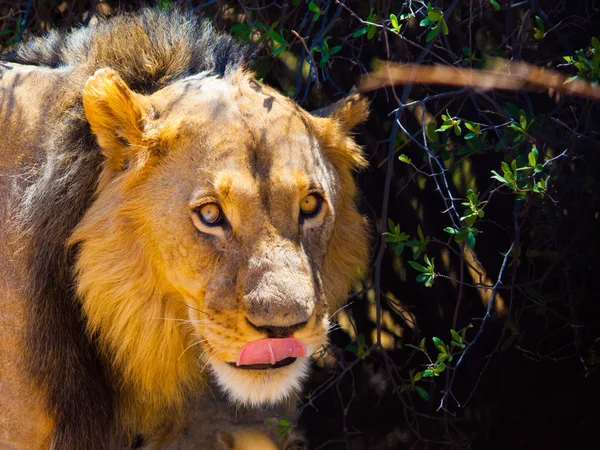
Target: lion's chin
x=260, y=387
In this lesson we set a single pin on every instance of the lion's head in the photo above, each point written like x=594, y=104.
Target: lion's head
x=224, y=215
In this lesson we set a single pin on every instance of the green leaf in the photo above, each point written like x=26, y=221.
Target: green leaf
x=371, y=33
x=439, y=344
x=405, y=159
x=455, y=335
x=495, y=4
x=470, y=239
x=523, y=122
x=360, y=32
x=412, y=346
x=451, y=230
x=334, y=50
x=427, y=261
x=422, y=344
x=390, y=224
x=471, y=127
x=539, y=22
x=277, y=37
x=238, y=27
x=422, y=277
x=422, y=393
x=444, y=27
x=440, y=368
x=315, y=17
x=425, y=23
x=472, y=196
x=278, y=50
x=313, y=7
x=434, y=15
x=418, y=267
x=420, y=233
x=433, y=33
x=538, y=34
x=571, y=79
x=394, y=21
x=461, y=236
x=532, y=158
x=429, y=281
x=284, y=422
x=260, y=25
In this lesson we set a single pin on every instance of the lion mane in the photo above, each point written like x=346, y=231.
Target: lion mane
x=107, y=369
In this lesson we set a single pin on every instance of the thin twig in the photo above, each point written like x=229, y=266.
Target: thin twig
x=312, y=61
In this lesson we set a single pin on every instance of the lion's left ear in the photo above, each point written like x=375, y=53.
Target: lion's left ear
x=333, y=126
x=117, y=117
x=348, y=112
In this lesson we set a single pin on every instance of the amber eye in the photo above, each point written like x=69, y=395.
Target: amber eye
x=311, y=205
x=210, y=214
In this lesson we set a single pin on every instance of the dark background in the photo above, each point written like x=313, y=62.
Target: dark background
x=527, y=378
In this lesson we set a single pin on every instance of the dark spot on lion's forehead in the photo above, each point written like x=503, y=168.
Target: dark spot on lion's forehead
x=255, y=85
x=268, y=103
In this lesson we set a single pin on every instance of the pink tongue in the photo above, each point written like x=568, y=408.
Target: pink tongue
x=270, y=350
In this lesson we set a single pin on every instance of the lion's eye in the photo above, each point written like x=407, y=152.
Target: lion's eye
x=210, y=214
x=311, y=205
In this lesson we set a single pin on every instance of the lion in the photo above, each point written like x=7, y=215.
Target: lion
x=169, y=223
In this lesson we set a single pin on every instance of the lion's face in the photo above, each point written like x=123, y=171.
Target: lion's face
x=224, y=216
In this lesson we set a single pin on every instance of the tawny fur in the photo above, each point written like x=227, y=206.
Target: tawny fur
x=131, y=307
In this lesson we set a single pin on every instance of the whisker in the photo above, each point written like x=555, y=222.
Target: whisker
x=191, y=307
x=203, y=353
x=190, y=346
x=211, y=357
x=341, y=308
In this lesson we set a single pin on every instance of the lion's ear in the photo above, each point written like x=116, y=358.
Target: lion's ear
x=117, y=117
x=348, y=112
x=333, y=125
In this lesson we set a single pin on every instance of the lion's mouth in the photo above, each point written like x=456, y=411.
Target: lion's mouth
x=283, y=363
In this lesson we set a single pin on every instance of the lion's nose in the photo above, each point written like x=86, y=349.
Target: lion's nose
x=277, y=331
x=277, y=315
x=277, y=289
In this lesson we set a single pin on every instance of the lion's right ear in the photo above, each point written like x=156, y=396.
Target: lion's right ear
x=117, y=117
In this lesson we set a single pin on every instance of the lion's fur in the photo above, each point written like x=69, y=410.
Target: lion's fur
x=113, y=318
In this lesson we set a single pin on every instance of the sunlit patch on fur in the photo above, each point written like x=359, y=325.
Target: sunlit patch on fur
x=260, y=387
